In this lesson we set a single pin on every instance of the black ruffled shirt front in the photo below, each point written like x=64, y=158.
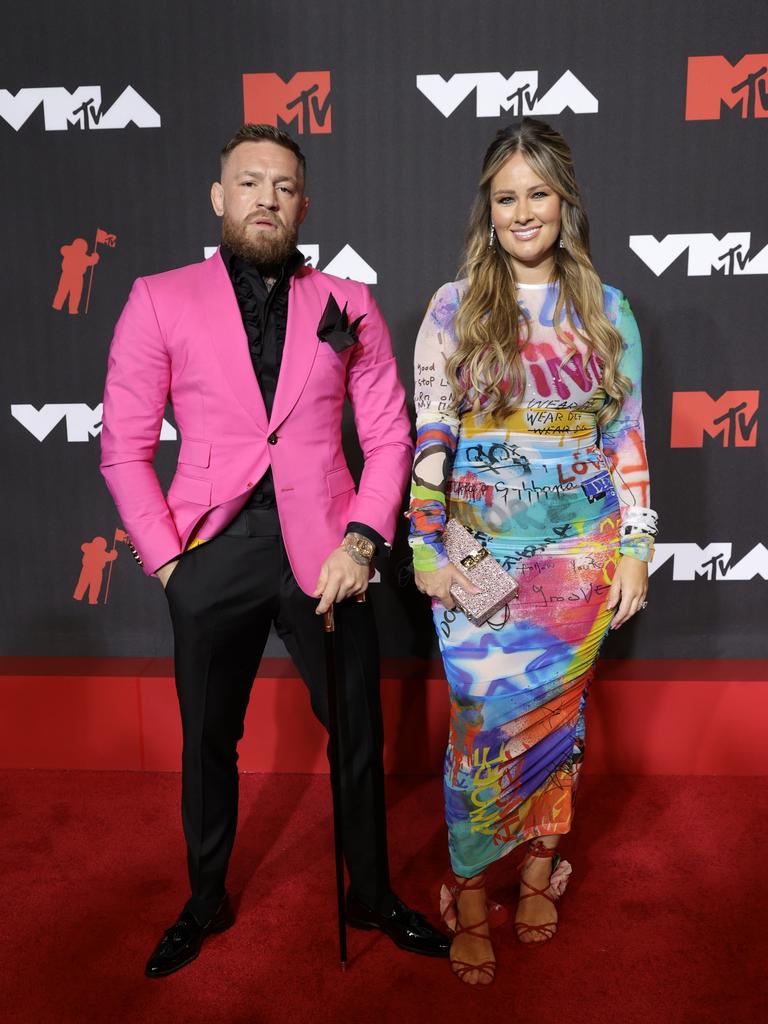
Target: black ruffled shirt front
x=264, y=310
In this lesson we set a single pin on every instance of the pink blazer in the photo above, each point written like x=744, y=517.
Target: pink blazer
x=181, y=337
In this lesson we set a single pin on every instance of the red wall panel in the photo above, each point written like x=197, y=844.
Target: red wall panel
x=644, y=717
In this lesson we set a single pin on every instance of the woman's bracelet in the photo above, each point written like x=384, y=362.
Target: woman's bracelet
x=639, y=520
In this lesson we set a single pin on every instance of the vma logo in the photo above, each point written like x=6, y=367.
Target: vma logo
x=346, y=262
x=732, y=418
x=82, y=421
x=519, y=94
x=81, y=109
x=713, y=562
x=303, y=103
x=714, y=82
x=728, y=255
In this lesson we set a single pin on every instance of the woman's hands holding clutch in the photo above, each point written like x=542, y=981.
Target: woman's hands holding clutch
x=437, y=584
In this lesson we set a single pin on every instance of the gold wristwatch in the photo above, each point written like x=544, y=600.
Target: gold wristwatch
x=359, y=548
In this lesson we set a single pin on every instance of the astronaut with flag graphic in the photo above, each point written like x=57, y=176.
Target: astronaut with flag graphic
x=75, y=260
x=95, y=559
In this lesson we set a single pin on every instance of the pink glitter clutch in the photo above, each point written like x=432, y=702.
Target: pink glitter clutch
x=497, y=587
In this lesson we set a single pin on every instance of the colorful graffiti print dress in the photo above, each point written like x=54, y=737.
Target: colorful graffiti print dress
x=547, y=493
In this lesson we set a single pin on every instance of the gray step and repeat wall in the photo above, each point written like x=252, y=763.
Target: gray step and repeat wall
x=111, y=119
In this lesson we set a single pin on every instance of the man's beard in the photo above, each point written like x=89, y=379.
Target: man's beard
x=264, y=248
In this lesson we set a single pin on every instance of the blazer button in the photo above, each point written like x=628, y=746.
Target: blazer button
x=272, y=439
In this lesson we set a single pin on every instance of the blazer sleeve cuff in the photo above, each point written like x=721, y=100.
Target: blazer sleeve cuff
x=382, y=547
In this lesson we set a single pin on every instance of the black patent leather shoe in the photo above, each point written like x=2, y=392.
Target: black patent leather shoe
x=408, y=929
x=181, y=943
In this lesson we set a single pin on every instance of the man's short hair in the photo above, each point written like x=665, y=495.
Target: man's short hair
x=264, y=133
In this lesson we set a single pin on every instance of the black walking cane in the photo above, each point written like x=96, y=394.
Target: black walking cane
x=335, y=764
x=332, y=690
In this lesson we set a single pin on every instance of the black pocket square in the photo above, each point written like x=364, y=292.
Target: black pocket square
x=335, y=328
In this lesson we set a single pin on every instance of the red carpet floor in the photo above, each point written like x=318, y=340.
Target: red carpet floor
x=664, y=921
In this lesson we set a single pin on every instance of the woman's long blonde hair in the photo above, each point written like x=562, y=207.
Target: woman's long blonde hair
x=490, y=326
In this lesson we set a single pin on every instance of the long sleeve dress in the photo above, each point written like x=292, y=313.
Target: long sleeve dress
x=550, y=494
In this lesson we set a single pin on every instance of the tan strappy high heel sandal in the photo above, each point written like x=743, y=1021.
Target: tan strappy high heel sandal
x=552, y=891
x=487, y=968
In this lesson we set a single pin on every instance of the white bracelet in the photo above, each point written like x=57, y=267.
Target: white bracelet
x=639, y=520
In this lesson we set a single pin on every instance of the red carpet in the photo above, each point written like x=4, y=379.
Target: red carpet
x=663, y=921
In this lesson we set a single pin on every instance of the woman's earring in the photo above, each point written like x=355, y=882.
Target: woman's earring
x=562, y=243
x=492, y=235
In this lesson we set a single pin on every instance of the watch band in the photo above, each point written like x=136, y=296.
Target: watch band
x=360, y=549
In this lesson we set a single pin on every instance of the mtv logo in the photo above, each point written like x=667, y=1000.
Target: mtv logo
x=690, y=562
x=79, y=109
x=82, y=421
x=731, y=417
x=729, y=255
x=346, y=262
x=302, y=103
x=714, y=82
x=496, y=94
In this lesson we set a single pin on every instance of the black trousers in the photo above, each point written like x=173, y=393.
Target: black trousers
x=223, y=596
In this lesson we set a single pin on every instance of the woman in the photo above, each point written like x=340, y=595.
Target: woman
x=530, y=434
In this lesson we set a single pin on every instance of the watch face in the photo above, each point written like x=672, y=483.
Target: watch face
x=362, y=545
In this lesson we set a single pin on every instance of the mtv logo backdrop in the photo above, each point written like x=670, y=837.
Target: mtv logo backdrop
x=302, y=104
x=518, y=94
x=715, y=86
x=730, y=420
x=111, y=127
x=82, y=108
x=706, y=253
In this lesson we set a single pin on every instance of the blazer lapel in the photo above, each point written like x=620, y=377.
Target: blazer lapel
x=301, y=345
x=230, y=343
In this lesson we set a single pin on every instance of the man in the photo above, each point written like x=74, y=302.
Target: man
x=262, y=522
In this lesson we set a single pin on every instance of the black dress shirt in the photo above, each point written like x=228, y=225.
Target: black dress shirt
x=264, y=309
